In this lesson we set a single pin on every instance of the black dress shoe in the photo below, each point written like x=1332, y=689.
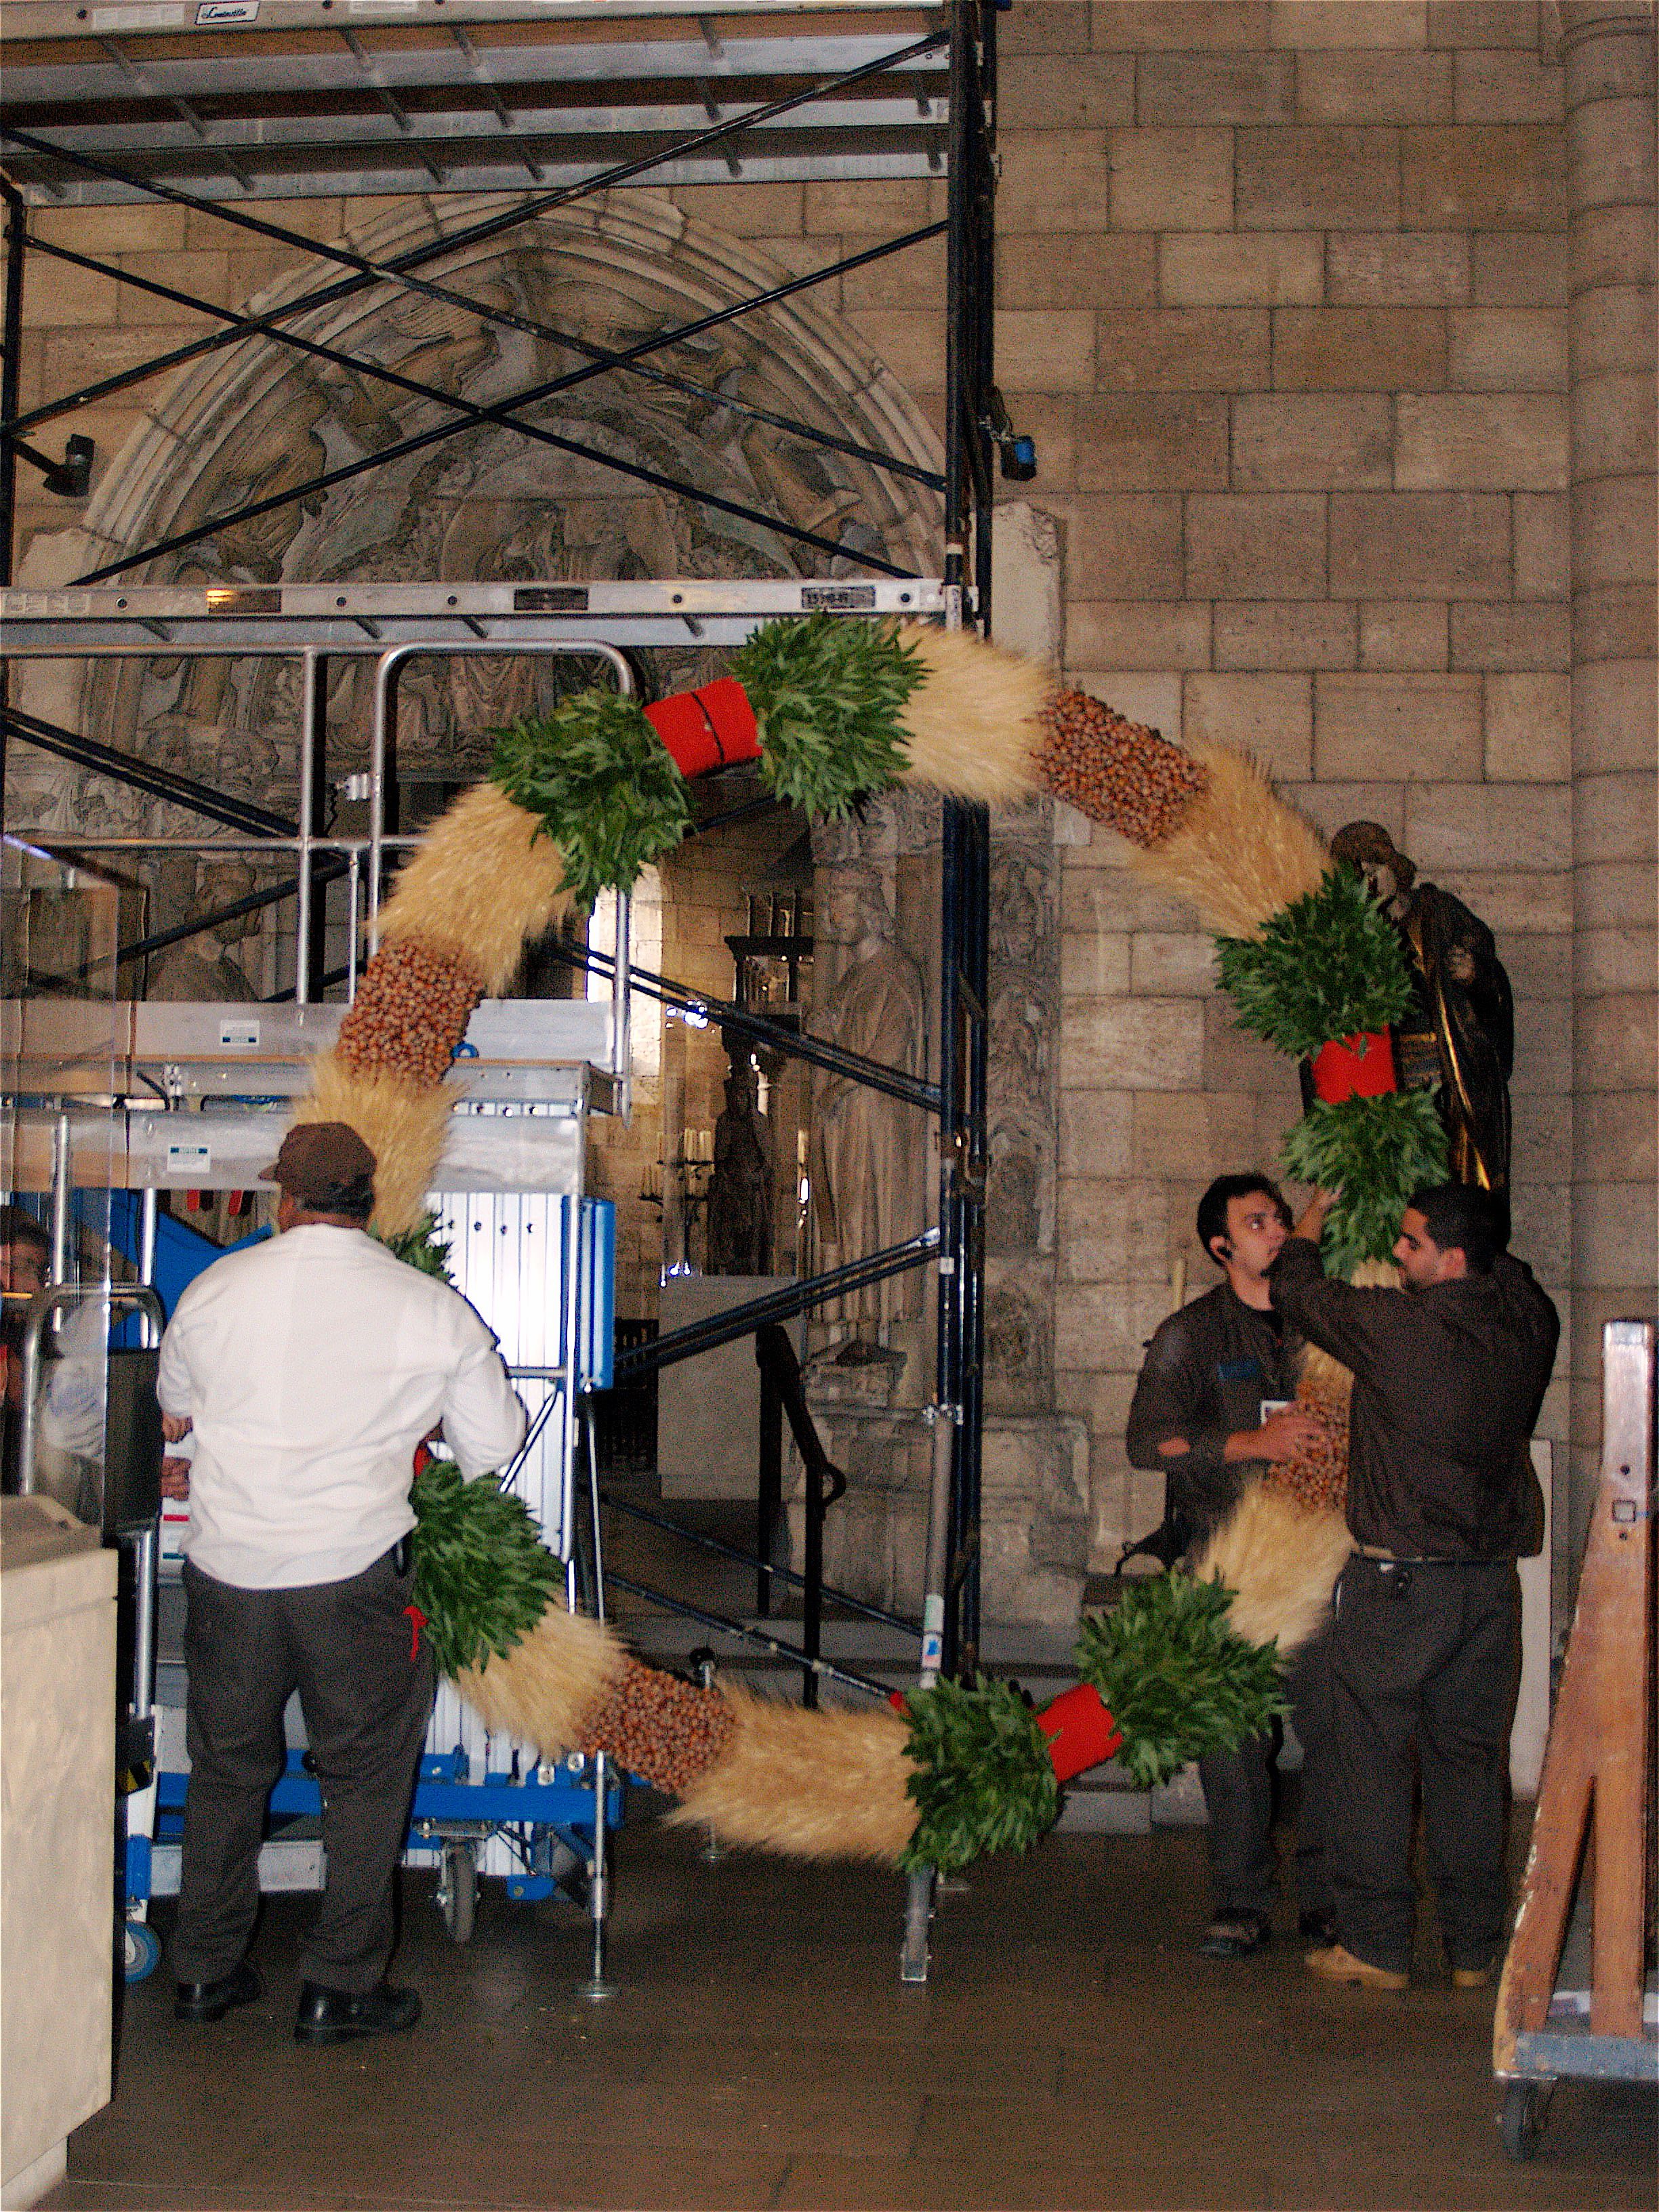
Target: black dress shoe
x=213, y=1999
x=1237, y=1936
x=328, y=2015
x=1319, y=1929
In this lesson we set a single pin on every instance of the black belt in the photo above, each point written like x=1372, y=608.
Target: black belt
x=1379, y=1557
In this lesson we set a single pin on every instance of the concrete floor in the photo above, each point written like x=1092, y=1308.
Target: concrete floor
x=1072, y=2050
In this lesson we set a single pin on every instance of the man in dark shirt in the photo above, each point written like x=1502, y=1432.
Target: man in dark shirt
x=1213, y=1405
x=1442, y=1500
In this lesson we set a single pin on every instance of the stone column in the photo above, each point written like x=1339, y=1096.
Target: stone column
x=1609, y=51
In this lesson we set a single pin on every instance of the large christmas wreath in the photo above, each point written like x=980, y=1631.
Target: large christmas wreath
x=831, y=707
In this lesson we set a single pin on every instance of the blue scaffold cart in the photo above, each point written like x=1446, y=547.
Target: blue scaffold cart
x=537, y=1257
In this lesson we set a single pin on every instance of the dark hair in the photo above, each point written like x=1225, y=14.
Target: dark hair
x=19, y=1227
x=352, y=1201
x=1212, y=1206
x=1460, y=1217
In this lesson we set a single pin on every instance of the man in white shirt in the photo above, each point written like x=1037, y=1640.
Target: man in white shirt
x=309, y=1367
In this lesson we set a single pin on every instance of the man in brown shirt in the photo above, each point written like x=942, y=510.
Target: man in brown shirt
x=1201, y=1415
x=1442, y=1500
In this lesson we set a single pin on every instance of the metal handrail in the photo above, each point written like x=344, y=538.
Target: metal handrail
x=817, y=1668
x=356, y=856
x=733, y=1322
x=632, y=1511
x=43, y=1304
x=387, y=670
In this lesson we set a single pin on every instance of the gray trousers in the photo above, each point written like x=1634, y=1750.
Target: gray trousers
x=1240, y=1788
x=1425, y=1657
x=347, y=1648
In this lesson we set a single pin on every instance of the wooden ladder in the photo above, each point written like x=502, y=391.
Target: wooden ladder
x=1597, y=1773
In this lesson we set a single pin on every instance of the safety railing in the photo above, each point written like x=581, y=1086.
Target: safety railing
x=321, y=859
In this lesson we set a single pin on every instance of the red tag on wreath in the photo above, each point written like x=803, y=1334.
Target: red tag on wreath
x=707, y=728
x=1356, y=1067
x=1080, y=1730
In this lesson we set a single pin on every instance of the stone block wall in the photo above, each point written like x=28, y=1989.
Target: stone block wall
x=1284, y=296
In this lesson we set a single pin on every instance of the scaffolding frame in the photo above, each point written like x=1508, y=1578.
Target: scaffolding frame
x=92, y=613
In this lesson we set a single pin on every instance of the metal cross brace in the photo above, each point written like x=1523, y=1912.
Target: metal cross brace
x=397, y=271
x=268, y=326
x=500, y=412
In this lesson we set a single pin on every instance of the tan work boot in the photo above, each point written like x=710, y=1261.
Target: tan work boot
x=1470, y=1978
x=1338, y=1963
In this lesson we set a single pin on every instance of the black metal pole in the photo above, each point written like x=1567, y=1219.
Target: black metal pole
x=812, y=1595
x=971, y=1184
x=310, y=983
x=720, y=1013
x=144, y=775
x=435, y=435
x=769, y=1501
x=11, y=342
x=799, y=1298
x=357, y=365
x=843, y=1600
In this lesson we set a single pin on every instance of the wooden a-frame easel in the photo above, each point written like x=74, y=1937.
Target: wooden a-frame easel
x=1597, y=1783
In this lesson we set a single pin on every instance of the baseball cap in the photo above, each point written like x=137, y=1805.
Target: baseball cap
x=326, y=1167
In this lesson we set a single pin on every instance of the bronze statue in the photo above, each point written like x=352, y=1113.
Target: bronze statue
x=740, y=1188
x=1459, y=1030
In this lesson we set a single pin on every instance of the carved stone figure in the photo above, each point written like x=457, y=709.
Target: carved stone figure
x=1459, y=1030
x=869, y=1156
x=186, y=971
x=740, y=1188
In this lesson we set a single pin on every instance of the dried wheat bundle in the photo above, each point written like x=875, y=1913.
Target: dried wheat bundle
x=1239, y=853
x=403, y=1125
x=483, y=880
x=1281, y=1562
x=543, y=1689
x=972, y=728
x=814, y=1785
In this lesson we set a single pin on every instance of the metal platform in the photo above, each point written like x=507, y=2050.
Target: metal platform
x=294, y=99
x=361, y=618
x=223, y=1078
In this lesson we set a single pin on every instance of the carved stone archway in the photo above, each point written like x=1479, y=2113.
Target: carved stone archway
x=484, y=503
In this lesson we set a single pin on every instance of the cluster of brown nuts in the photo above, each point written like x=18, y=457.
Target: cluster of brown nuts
x=1317, y=1477
x=663, y=1729
x=1116, y=771
x=410, y=1011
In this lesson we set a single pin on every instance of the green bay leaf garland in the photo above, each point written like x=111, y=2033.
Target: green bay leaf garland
x=1323, y=967
x=1375, y=1152
x=826, y=695
x=984, y=1781
x=1178, y=1681
x=826, y=691
x=421, y=1247
x=601, y=784
x=483, y=1575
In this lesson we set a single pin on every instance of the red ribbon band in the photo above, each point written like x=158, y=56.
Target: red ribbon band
x=707, y=728
x=1080, y=1730
x=1356, y=1067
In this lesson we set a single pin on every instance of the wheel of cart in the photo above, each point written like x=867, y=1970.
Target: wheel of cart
x=457, y=1896
x=142, y=1949
x=1522, y=2115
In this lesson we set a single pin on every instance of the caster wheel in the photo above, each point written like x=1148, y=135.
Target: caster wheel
x=458, y=1891
x=144, y=1951
x=1520, y=2117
